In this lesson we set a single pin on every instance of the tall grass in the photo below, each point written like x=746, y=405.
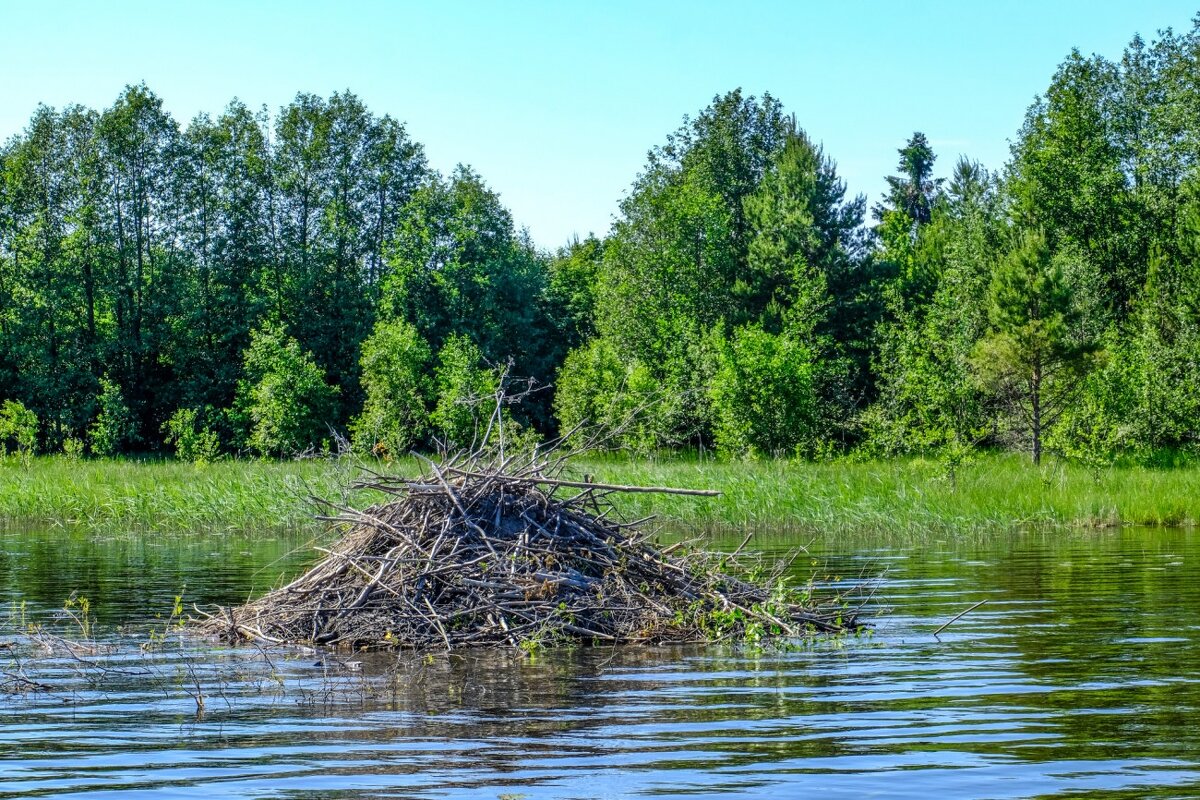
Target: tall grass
x=998, y=492
x=117, y=494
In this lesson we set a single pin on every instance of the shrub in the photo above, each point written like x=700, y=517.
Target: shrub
x=764, y=397
x=73, y=448
x=395, y=415
x=114, y=427
x=596, y=386
x=193, y=441
x=18, y=428
x=282, y=396
x=465, y=392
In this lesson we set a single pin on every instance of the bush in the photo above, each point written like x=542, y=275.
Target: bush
x=465, y=392
x=395, y=415
x=283, y=396
x=193, y=441
x=764, y=396
x=73, y=448
x=620, y=396
x=18, y=428
x=587, y=387
x=114, y=428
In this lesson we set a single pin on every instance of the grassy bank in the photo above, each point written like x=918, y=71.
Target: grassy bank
x=998, y=492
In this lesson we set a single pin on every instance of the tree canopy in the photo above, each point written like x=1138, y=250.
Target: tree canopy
x=268, y=281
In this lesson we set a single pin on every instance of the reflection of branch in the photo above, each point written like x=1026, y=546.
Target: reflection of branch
x=198, y=695
x=18, y=683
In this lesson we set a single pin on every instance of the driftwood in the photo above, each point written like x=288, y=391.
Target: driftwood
x=500, y=550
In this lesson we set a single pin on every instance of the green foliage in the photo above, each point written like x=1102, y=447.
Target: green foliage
x=914, y=192
x=193, y=440
x=466, y=393
x=574, y=274
x=680, y=247
x=810, y=269
x=458, y=268
x=668, y=270
x=114, y=427
x=138, y=255
x=395, y=367
x=764, y=396
x=1034, y=360
x=929, y=400
x=738, y=219
x=618, y=397
x=18, y=429
x=1155, y=361
x=1089, y=433
x=284, y=397
x=344, y=182
x=78, y=609
x=134, y=249
x=788, y=257
x=1070, y=170
x=73, y=448
x=725, y=150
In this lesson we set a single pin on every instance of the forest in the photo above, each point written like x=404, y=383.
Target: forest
x=274, y=283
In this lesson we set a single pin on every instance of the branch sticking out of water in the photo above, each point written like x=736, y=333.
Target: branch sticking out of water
x=957, y=617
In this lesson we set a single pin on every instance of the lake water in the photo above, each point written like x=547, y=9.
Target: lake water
x=1080, y=677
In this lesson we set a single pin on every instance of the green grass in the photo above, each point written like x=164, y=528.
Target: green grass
x=115, y=495
x=998, y=492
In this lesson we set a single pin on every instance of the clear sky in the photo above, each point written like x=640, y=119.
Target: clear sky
x=556, y=103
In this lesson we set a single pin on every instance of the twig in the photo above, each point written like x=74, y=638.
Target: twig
x=604, y=487
x=957, y=617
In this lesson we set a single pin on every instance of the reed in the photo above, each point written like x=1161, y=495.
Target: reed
x=997, y=492
x=115, y=495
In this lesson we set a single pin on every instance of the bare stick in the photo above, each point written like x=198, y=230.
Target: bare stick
x=957, y=617
x=606, y=487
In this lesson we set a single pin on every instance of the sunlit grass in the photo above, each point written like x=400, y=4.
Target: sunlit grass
x=998, y=492
x=119, y=494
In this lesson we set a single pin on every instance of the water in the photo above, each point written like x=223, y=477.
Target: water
x=1078, y=678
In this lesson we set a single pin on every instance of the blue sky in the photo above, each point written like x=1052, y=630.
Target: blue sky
x=556, y=104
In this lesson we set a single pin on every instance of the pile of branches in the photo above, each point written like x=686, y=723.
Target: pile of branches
x=496, y=551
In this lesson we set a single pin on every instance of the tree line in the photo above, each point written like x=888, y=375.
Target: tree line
x=264, y=283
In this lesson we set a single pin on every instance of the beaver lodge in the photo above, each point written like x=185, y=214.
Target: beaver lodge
x=505, y=552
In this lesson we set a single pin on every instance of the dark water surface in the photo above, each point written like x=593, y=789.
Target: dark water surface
x=1080, y=677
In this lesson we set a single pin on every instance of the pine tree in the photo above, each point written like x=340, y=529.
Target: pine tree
x=1033, y=360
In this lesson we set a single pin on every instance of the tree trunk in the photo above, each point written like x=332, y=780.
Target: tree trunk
x=1035, y=386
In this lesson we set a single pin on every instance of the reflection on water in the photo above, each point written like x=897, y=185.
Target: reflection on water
x=1078, y=677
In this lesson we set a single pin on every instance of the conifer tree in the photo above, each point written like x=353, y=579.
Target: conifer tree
x=1033, y=359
